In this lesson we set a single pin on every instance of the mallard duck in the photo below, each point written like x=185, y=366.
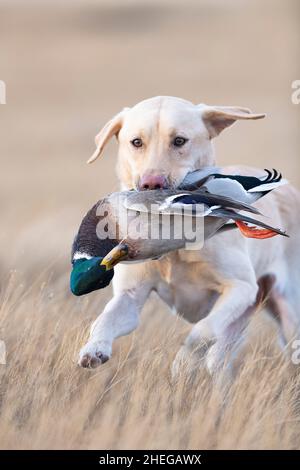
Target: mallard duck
x=94, y=254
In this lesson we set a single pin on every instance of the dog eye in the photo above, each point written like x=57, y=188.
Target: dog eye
x=137, y=142
x=179, y=141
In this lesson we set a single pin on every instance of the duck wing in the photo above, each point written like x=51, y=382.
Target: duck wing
x=229, y=184
x=199, y=202
x=195, y=179
x=242, y=188
x=201, y=199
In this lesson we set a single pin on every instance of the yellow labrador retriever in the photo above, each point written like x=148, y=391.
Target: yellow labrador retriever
x=217, y=288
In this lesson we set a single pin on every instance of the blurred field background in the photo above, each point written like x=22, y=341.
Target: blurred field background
x=68, y=67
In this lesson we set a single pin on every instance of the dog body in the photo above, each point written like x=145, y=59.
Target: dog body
x=218, y=287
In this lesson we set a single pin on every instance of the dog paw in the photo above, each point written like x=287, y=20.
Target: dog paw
x=180, y=363
x=184, y=363
x=92, y=355
x=188, y=360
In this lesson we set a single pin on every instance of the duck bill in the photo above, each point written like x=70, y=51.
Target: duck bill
x=117, y=254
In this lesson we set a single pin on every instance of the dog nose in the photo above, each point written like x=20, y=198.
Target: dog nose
x=152, y=182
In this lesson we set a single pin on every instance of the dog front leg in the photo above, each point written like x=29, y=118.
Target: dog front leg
x=119, y=318
x=220, y=329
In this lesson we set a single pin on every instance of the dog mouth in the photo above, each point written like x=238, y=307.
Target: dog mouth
x=171, y=183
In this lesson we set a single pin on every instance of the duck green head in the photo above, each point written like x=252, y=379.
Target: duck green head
x=88, y=275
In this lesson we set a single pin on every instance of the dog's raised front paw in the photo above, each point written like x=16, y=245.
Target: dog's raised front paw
x=93, y=355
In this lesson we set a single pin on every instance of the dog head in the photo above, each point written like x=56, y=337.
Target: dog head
x=161, y=139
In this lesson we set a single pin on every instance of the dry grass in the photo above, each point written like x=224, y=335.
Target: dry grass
x=130, y=402
x=69, y=66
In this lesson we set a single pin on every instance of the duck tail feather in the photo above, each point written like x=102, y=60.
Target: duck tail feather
x=268, y=186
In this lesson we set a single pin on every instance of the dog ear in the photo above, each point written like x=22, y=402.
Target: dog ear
x=217, y=118
x=111, y=128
